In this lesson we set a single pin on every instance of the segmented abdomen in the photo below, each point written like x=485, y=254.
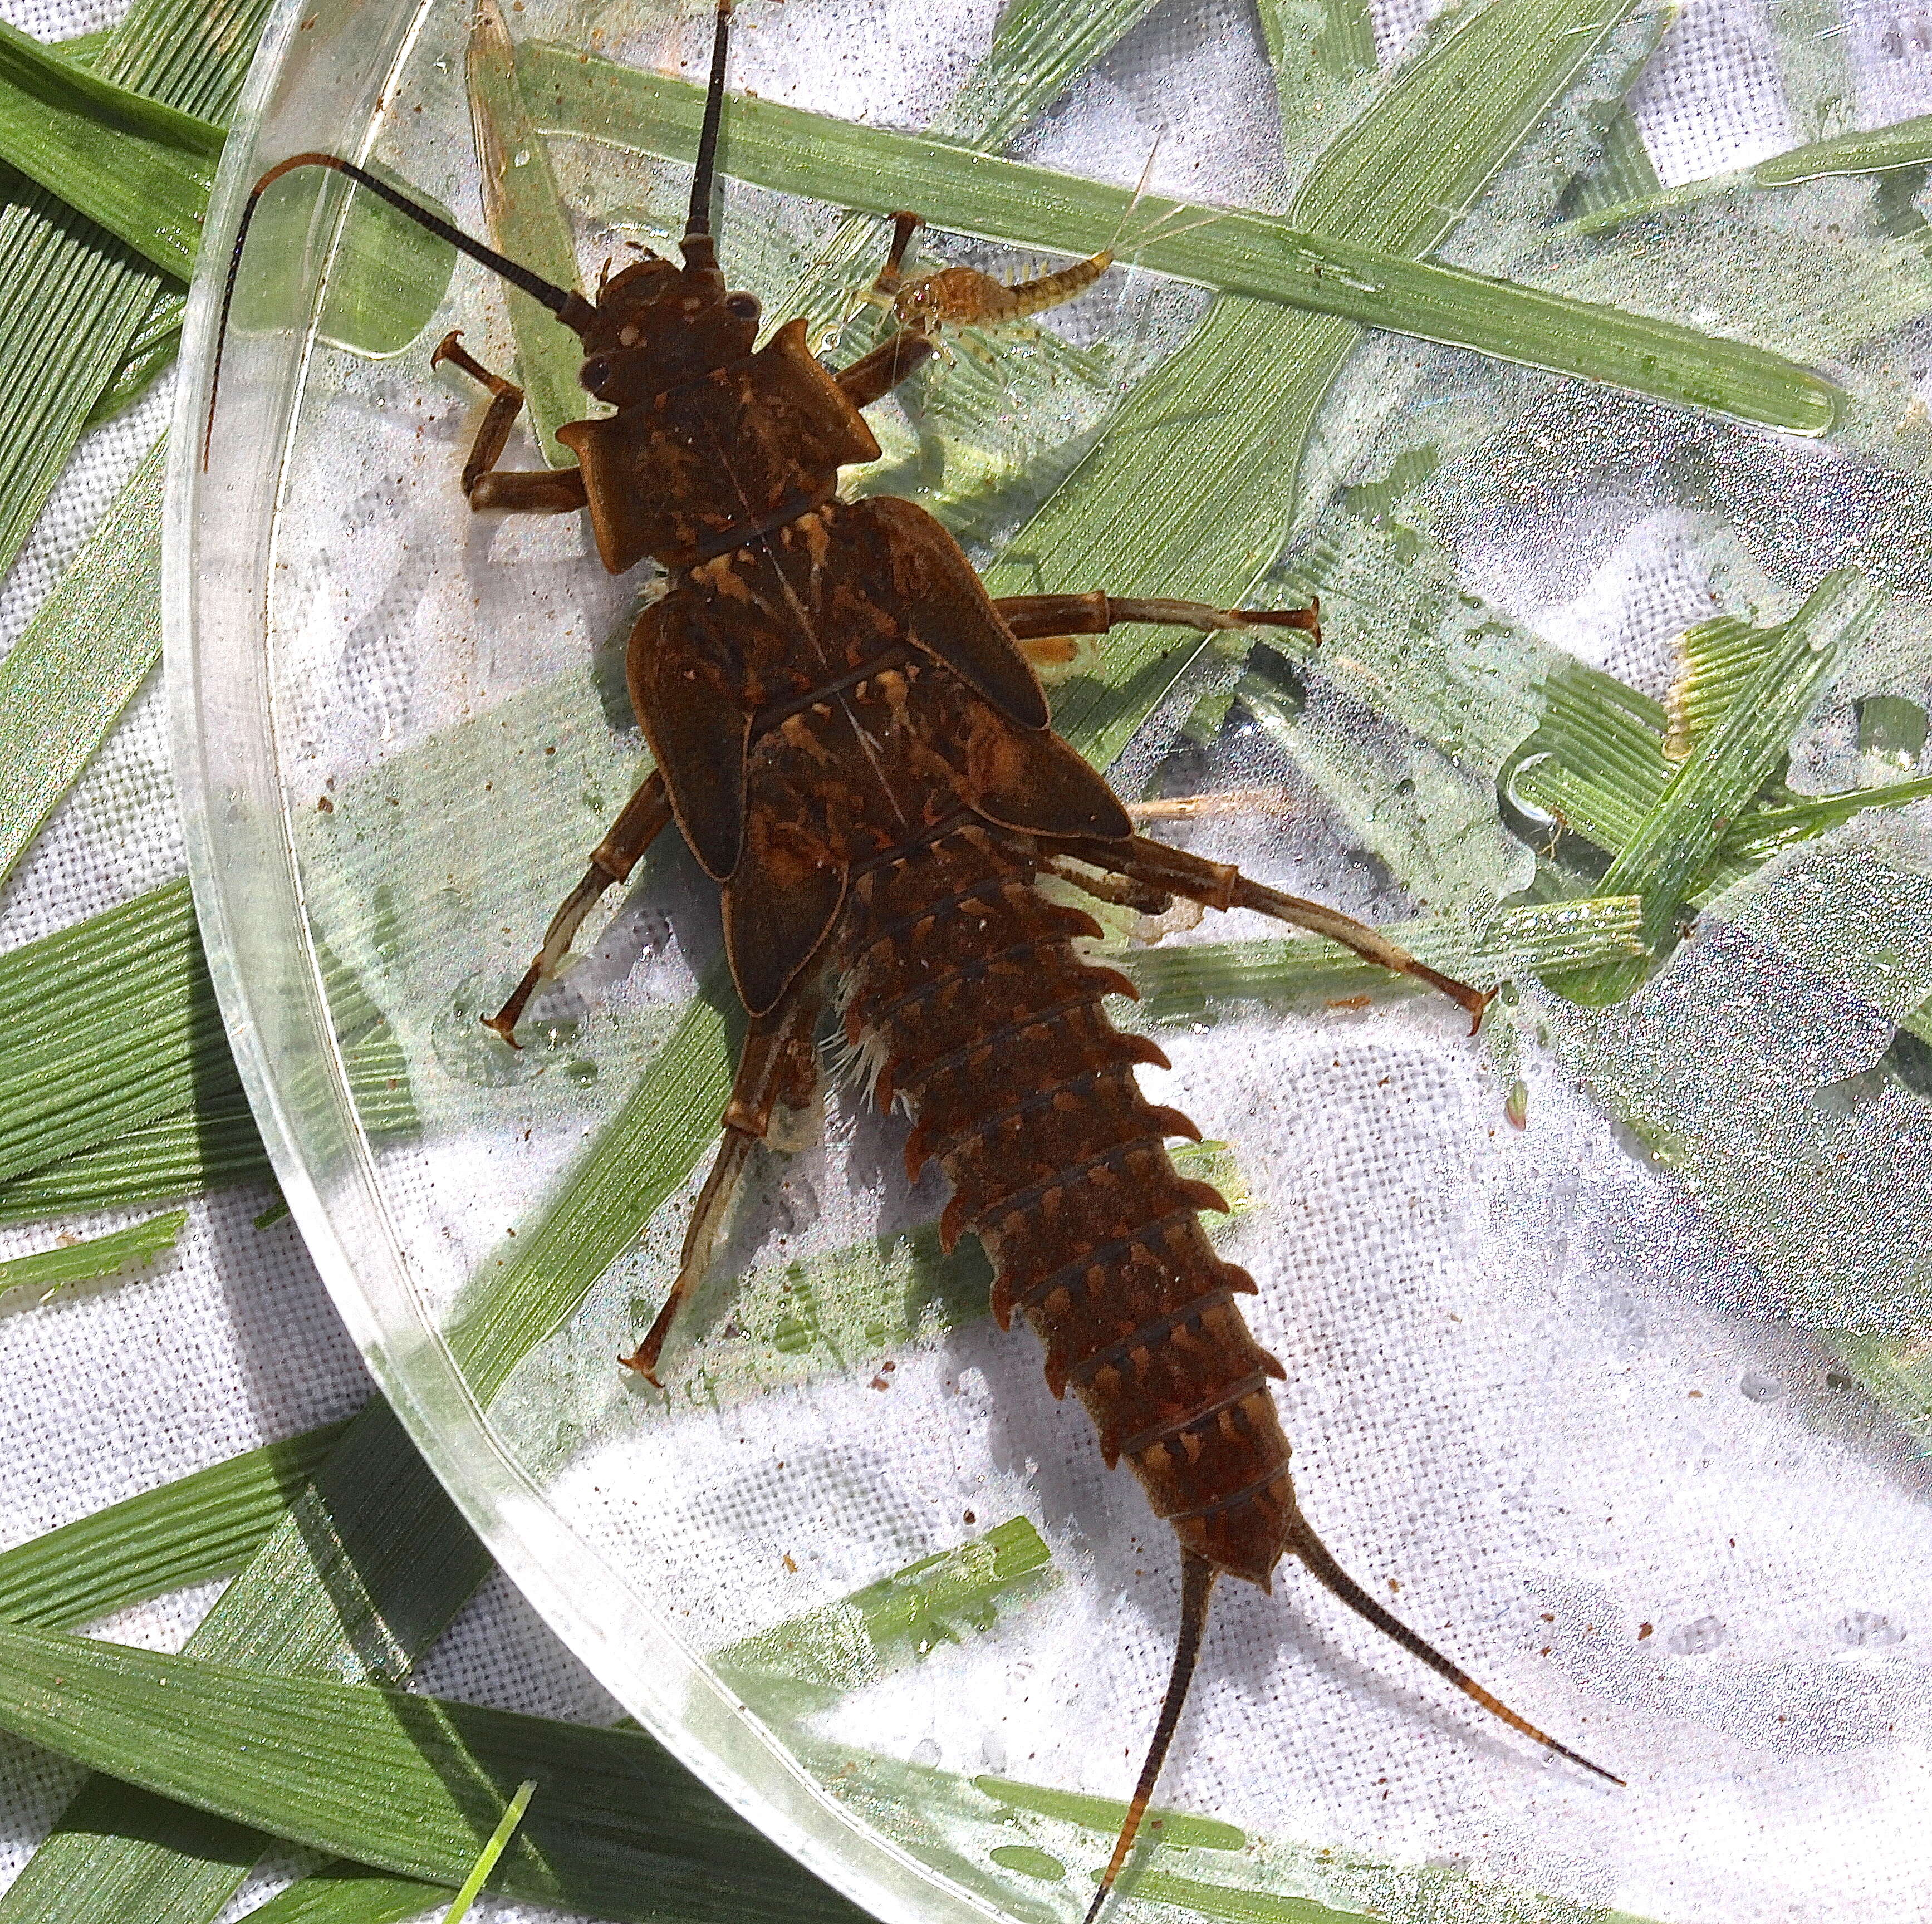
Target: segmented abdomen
x=960, y=981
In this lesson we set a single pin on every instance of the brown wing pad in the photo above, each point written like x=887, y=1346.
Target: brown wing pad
x=698, y=736
x=1040, y=784
x=778, y=906
x=949, y=615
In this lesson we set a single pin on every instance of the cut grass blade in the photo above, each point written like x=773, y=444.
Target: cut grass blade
x=205, y=1525
x=150, y=355
x=1715, y=662
x=141, y=169
x=1723, y=773
x=134, y=1247
x=411, y=1784
x=72, y=297
x=525, y=217
x=1319, y=271
x=356, y=1581
x=486, y=1859
x=68, y=679
x=345, y=1893
x=841, y=1646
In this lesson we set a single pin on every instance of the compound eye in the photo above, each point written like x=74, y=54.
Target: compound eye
x=746, y=307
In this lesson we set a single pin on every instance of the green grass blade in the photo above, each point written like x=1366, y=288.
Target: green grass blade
x=486, y=1859
x=356, y=1581
x=786, y=149
x=407, y=1783
x=72, y=297
x=1042, y=47
x=1715, y=662
x=66, y=680
x=150, y=355
x=526, y=218
x=207, y=1147
x=840, y=1646
x=345, y=1893
x=1106, y=1815
x=139, y=168
x=134, y=1247
x=1907, y=143
x=640, y=1159
x=1760, y=835
x=119, y=1076
x=205, y=1525
x=1682, y=831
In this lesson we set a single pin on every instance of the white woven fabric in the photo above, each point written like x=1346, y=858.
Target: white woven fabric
x=1781, y=1527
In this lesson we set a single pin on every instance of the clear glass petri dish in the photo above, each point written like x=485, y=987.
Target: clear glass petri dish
x=1596, y=1326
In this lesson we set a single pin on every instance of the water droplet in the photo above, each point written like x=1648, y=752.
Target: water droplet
x=583, y=1072
x=1866, y=1630
x=1698, y=1639
x=993, y=1753
x=568, y=1435
x=925, y=1754
x=1758, y=1388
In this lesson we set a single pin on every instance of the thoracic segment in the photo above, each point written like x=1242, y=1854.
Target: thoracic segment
x=961, y=986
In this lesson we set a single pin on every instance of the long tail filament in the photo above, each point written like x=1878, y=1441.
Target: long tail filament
x=1330, y=1575
x=1197, y=1589
x=1197, y=1576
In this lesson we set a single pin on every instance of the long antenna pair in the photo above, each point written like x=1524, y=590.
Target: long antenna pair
x=569, y=306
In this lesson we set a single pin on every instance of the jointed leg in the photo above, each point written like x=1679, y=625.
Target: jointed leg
x=904, y=225
x=874, y=375
x=546, y=491
x=1043, y=617
x=1164, y=871
x=643, y=818
x=778, y=1067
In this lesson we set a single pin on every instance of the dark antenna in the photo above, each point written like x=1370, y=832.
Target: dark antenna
x=699, y=253
x=570, y=307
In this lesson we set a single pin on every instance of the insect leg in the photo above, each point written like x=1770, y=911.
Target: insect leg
x=545, y=491
x=643, y=818
x=1042, y=617
x=1219, y=885
x=874, y=376
x=777, y=1067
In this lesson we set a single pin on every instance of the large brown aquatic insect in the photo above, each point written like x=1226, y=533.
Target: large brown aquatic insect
x=852, y=738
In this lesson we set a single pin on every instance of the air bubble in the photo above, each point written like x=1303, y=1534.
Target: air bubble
x=1698, y=1639
x=1866, y=1630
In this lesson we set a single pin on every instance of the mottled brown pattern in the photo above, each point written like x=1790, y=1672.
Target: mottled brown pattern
x=961, y=977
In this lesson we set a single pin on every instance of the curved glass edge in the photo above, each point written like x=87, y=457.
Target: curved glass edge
x=321, y=69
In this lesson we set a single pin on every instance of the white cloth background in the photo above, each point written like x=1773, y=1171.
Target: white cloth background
x=232, y=1342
